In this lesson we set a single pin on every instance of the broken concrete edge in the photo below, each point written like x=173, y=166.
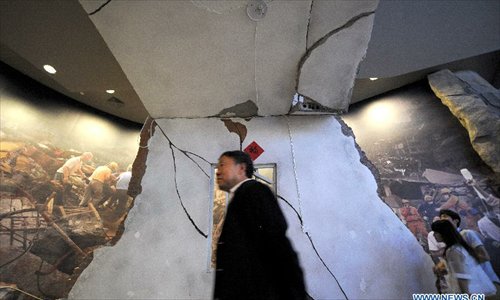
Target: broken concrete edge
x=246, y=109
x=322, y=40
x=347, y=131
x=138, y=171
x=309, y=105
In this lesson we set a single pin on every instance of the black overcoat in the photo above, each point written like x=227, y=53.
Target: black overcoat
x=255, y=259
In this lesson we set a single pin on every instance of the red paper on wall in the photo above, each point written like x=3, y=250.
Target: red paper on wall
x=254, y=150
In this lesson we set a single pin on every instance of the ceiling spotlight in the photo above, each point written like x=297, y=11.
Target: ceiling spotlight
x=373, y=78
x=110, y=91
x=50, y=69
x=82, y=93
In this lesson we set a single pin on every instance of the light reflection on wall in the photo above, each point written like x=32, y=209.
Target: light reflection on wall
x=30, y=115
x=93, y=130
x=380, y=114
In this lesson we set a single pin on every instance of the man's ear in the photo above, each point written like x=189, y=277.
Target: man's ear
x=242, y=169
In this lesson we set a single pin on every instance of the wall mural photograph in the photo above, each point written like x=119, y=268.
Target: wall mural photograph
x=426, y=163
x=64, y=174
x=65, y=170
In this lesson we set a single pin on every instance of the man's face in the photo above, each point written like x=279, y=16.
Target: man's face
x=86, y=157
x=229, y=173
x=446, y=217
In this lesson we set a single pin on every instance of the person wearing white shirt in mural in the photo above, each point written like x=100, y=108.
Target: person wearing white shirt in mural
x=473, y=239
x=436, y=250
x=71, y=167
x=465, y=273
x=489, y=224
x=120, y=197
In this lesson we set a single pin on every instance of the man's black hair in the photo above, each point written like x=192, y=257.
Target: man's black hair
x=453, y=215
x=241, y=157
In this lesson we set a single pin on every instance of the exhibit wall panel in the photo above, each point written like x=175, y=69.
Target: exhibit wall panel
x=328, y=196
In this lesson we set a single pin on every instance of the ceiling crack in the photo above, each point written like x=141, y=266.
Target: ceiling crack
x=99, y=8
x=314, y=246
x=324, y=39
x=309, y=23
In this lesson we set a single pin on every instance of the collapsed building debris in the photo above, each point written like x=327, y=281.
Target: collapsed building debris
x=41, y=238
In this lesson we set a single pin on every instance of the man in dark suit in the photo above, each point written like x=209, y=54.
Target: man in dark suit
x=255, y=259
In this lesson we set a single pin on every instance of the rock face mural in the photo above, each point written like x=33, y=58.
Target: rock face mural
x=50, y=154
x=477, y=105
x=318, y=187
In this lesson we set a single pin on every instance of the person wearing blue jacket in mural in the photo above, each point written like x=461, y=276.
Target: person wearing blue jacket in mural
x=255, y=259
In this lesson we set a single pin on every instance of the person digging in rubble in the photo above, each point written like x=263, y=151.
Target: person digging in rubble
x=71, y=167
x=120, y=197
x=100, y=181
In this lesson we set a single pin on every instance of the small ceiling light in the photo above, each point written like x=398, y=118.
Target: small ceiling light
x=110, y=91
x=373, y=78
x=82, y=93
x=50, y=69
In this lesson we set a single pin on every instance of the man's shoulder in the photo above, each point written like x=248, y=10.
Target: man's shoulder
x=253, y=187
x=471, y=237
x=251, y=184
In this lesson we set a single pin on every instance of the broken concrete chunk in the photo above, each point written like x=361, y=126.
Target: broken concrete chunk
x=329, y=15
x=329, y=68
x=464, y=94
x=242, y=110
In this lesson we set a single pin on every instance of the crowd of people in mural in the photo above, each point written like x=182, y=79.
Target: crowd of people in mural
x=106, y=187
x=56, y=204
x=459, y=226
x=76, y=181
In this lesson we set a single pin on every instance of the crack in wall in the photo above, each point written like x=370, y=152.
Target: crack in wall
x=99, y=8
x=180, y=198
x=321, y=41
x=314, y=246
x=186, y=153
x=309, y=23
x=214, y=9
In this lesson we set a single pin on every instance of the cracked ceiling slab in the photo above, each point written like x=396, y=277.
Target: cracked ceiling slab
x=181, y=55
x=328, y=15
x=328, y=70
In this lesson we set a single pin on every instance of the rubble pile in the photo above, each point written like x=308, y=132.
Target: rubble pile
x=45, y=245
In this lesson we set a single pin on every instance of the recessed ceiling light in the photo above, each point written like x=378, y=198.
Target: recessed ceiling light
x=82, y=93
x=50, y=69
x=110, y=91
x=373, y=78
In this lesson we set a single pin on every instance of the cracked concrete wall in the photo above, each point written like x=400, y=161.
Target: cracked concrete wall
x=345, y=233
x=181, y=55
